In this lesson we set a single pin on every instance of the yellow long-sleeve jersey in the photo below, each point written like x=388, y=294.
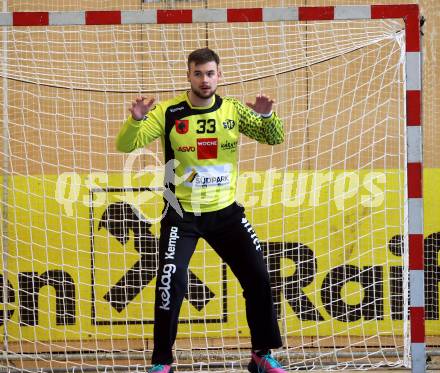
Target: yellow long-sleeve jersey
x=200, y=146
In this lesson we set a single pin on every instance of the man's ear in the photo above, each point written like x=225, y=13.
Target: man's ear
x=220, y=73
x=187, y=75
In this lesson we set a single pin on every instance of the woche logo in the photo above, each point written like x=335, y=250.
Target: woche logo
x=207, y=148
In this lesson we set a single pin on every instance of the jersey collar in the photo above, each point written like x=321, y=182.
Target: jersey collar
x=200, y=107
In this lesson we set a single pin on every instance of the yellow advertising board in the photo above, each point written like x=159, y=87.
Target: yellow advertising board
x=81, y=260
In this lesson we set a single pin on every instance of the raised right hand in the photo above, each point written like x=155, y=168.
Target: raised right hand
x=139, y=108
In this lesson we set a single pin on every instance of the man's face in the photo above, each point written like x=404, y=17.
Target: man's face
x=204, y=79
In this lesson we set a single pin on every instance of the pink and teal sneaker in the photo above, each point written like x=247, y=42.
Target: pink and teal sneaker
x=160, y=368
x=264, y=364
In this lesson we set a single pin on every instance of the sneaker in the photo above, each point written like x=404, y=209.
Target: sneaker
x=264, y=364
x=160, y=368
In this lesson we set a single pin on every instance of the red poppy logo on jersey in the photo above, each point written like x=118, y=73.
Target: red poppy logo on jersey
x=182, y=126
x=207, y=148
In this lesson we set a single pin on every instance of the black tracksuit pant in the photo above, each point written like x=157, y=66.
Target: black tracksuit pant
x=233, y=238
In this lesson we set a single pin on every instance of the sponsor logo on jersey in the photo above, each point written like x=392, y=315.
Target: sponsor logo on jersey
x=207, y=148
x=208, y=176
x=229, y=145
x=173, y=110
x=186, y=149
x=182, y=126
x=191, y=176
x=228, y=124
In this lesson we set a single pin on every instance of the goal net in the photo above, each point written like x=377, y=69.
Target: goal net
x=81, y=221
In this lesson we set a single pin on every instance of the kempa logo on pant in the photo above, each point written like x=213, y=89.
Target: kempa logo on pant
x=172, y=243
x=249, y=228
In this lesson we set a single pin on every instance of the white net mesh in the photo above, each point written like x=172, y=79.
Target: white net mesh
x=328, y=204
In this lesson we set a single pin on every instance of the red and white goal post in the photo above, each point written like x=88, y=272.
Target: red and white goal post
x=344, y=249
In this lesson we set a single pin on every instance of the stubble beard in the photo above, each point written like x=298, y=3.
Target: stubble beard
x=202, y=95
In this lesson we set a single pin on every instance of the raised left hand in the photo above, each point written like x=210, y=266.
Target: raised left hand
x=262, y=105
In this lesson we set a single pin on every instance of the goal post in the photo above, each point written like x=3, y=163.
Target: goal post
x=338, y=207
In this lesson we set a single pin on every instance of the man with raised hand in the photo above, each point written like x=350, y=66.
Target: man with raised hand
x=200, y=131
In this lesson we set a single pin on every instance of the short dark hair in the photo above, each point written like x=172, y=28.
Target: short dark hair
x=203, y=55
